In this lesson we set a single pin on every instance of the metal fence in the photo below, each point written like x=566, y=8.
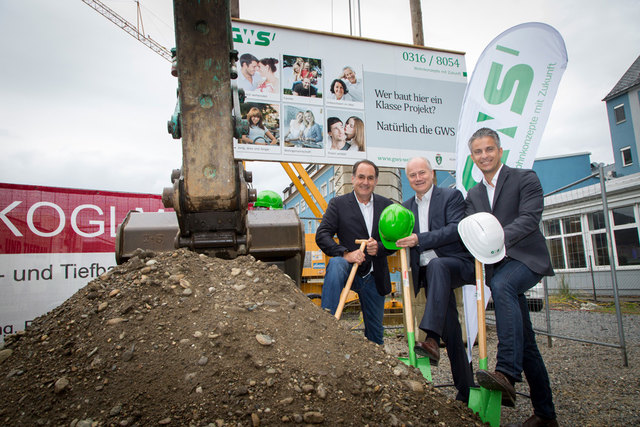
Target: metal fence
x=583, y=241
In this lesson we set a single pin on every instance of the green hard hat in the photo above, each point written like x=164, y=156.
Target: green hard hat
x=396, y=222
x=268, y=199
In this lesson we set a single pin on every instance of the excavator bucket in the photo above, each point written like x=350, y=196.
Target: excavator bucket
x=275, y=237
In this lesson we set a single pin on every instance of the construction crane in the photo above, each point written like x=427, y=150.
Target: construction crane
x=132, y=30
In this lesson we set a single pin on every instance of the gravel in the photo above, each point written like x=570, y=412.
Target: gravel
x=591, y=385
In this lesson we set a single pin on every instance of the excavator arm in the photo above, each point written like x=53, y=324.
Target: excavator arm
x=210, y=192
x=211, y=195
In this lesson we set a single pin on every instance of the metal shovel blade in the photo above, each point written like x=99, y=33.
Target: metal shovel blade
x=486, y=403
x=422, y=363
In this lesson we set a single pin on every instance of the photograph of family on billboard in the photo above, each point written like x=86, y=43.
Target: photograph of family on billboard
x=302, y=76
x=345, y=132
x=303, y=127
x=258, y=75
x=346, y=85
x=264, y=123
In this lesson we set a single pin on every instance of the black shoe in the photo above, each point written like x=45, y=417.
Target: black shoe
x=498, y=381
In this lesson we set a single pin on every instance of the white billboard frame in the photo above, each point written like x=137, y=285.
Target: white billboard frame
x=408, y=97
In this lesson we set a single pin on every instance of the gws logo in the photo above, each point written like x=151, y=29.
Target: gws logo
x=497, y=90
x=248, y=36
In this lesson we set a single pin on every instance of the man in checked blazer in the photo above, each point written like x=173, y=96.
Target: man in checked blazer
x=514, y=197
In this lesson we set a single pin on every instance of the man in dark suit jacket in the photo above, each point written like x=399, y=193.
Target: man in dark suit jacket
x=514, y=197
x=355, y=216
x=439, y=263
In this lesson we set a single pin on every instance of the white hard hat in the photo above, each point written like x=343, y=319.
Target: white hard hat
x=483, y=236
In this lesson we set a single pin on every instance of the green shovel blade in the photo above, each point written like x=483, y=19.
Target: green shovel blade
x=487, y=404
x=422, y=363
x=484, y=402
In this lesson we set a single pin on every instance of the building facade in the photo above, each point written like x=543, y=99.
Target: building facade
x=623, y=112
x=574, y=225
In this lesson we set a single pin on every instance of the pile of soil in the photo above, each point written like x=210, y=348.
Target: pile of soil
x=184, y=339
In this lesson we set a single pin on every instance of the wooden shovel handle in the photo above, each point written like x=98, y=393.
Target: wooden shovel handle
x=406, y=292
x=347, y=286
x=482, y=328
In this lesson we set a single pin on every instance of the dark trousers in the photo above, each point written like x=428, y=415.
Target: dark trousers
x=439, y=278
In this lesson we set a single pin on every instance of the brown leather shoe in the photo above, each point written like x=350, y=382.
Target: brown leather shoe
x=498, y=381
x=536, y=421
x=430, y=349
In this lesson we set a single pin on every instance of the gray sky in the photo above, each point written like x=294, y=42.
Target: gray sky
x=84, y=105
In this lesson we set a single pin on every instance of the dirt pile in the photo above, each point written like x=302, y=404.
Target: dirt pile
x=184, y=339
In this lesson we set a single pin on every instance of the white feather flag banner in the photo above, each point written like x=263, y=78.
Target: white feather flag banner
x=511, y=91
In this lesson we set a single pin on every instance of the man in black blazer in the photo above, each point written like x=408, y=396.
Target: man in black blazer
x=355, y=216
x=439, y=263
x=514, y=197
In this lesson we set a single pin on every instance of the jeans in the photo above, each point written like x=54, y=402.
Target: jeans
x=517, y=348
x=371, y=302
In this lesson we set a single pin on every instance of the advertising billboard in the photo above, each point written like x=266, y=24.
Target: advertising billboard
x=53, y=241
x=322, y=98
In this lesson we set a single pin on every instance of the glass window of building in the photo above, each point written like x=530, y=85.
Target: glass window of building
x=598, y=238
x=618, y=111
x=625, y=153
x=551, y=227
x=567, y=249
x=625, y=234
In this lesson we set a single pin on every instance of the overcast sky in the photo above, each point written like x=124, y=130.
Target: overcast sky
x=84, y=105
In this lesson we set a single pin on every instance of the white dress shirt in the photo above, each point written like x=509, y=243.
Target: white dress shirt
x=367, y=213
x=423, y=223
x=491, y=186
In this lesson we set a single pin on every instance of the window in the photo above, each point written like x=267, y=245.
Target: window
x=552, y=227
x=600, y=250
x=571, y=224
x=567, y=249
x=618, y=112
x=598, y=238
x=568, y=238
x=555, y=250
x=331, y=189
x=624, y=215
x=625, y=234
x=627, y=246
x=323, y=189
x=625, y=153
x=596, y=220
x=575, y=251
